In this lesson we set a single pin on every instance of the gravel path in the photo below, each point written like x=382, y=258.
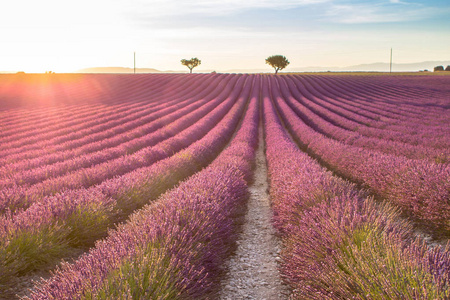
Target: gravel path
x=252, y=272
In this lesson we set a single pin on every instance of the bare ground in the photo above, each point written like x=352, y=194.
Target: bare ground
x=251, y=273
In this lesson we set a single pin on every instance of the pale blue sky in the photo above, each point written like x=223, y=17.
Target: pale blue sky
x=66, y=36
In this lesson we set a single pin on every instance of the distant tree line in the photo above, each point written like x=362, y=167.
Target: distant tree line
x=441, y=68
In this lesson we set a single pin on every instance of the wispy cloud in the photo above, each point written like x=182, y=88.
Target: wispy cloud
x=335, y=11
x=161, y=8
x=379, y=12
x=400, y=2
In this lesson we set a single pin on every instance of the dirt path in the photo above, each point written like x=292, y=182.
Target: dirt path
x=252, y=272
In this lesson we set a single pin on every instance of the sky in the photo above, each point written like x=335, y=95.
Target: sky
x=65, y=36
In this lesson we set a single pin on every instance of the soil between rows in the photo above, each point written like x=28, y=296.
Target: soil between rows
x=252, y=272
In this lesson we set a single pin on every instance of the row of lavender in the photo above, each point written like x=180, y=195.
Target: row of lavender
x=421, y=188
x=400, y=130
x=353, y=100
x=326, y=125
x=85, y=128
x=50, y=227
x=174, y=248
x=349, y=136
x=160, y=143
x=92, y=145
x=38, y=93
x=123, y=141
x=341, y=107
x=338, y=243
x=378, y=95
x=58, y=116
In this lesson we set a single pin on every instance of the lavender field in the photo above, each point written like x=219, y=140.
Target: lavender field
x=133, y=186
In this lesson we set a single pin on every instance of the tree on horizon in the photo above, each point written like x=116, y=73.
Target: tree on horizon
x=191, y=63
x=278, y=62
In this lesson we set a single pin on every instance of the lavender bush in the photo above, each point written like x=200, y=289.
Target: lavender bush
x=83, y=220
x=173, y=248
x=339, y=244
x=419, y=187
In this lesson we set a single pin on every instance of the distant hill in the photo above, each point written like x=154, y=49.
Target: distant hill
x=373, y=67
x=378, y=67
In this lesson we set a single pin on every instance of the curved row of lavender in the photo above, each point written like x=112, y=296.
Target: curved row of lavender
x=342, y=109
x=38, y=93
x=388, y=91
x=338, y=243
x=48, y=229
x=125, y=142
x=292, y=94
x=173, y=249
x=421, y=188
x=376, y=96
x=404, y=128
x=427, y=113
x=114, y=122
x=55, y=118
x=169, y=142
x=373, y=97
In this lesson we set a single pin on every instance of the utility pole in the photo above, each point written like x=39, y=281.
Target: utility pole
x=134, y=62
x=390, y=64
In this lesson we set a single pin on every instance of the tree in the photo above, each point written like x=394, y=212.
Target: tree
x=191, y=63
x=438, y=68
x=447, y=68
x=278, y=62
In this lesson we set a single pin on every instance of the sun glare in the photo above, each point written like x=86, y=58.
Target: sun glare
x=60, y=37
